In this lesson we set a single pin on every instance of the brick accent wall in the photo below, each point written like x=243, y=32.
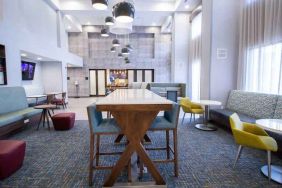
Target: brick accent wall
x=152, y=50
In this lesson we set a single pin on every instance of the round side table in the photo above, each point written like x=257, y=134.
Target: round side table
x=274, y=125
x=207, y=104
x=45, y=113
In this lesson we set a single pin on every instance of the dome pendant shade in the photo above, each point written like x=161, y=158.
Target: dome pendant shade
x=129, y=47
x=116, y=42
x=124, y=12
x=113, y=49
x=125, y=51
x=104, y=33
x=100, y=4
x=109, y=20
x=120, y=55
x=127, y=61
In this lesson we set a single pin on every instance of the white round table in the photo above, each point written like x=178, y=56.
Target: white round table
x=207, y=104
x=274, y=125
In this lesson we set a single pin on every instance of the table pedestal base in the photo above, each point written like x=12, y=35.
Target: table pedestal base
x=205, y=127
x=276, y=173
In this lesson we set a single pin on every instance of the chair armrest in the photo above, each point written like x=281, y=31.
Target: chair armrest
x=254, y=129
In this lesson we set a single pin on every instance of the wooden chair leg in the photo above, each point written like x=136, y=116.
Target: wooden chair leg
x=183, y=118
x=97, y=150
x=167, y=144
x=90, y=177
x=129, y=177
x=175, y=152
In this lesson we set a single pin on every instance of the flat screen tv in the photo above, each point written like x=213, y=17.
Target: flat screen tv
x=28, y=69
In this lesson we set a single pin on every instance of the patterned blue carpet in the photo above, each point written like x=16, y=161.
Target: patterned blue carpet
x=60, y=159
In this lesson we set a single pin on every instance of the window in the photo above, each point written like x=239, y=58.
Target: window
x=264, y=69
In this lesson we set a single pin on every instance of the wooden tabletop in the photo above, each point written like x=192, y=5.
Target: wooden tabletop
x=45, y=106
x=133, y=99
x=36, y=96
x=54, y=93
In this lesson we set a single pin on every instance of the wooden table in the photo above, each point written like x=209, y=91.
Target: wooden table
x=45, y=113
x=273, y=125
x=54, y=93
x=134, y=111
x=36, y=97
x=207, y=104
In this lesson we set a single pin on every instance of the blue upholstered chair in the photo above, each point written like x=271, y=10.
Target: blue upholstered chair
x=168, y=122
x=99, y=126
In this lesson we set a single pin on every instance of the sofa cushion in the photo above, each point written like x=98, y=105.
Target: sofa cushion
x=12, y=99
x=11, y=117
x=278, y=109
x=221, y=116
x=29, y=112
x=256, y=105
x=158, y=90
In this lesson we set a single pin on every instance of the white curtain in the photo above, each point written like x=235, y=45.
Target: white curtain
x=195, y=55
x=260, y=58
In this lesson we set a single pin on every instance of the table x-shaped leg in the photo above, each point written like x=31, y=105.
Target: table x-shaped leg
x=134, y=125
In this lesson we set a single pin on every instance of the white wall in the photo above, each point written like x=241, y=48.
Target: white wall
x=225, y=35
x=52, y=76
x=32, y=26
x=219, y=76
x=180, y=48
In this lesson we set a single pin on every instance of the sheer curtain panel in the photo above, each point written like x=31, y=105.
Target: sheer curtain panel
x=260, y=53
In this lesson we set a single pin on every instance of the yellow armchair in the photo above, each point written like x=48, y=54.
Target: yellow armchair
x=250, y=135
x=190, y=107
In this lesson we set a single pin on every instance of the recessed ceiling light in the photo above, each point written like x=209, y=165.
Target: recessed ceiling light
x=39, y=58
x=88, y=23
x=154, y=23
x=23, y=55
x=187, y=6
x=69, y=27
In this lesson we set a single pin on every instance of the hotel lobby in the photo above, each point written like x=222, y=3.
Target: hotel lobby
x=131, y=93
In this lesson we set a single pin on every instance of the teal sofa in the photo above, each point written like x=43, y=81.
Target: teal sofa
x=162, y=88
x=14, y=109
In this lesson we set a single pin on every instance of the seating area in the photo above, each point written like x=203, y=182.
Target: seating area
x=140, y=94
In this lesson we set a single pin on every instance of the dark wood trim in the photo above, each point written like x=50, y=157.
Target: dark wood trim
x=97, y=88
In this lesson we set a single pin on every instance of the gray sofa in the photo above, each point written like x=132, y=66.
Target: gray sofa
x=250, y=106
x=14, y=109
x=162, y=88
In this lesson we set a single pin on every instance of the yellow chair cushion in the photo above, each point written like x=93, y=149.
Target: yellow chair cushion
x=190, y=107
x=250, y=135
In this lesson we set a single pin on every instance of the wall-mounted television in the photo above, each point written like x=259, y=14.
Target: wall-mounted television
x=28, y=69
x=3, y=75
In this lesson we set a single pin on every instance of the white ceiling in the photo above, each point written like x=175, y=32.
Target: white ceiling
x=147, y=12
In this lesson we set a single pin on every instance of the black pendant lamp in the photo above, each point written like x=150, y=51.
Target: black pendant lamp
x=104, y=33
x=129, y=47
x=127, y=61
x=125, y=51
x=109, y=20
x=100, y=4
x=120, y=55
x=113, y=49
x=124, y=12
x=116, y=43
